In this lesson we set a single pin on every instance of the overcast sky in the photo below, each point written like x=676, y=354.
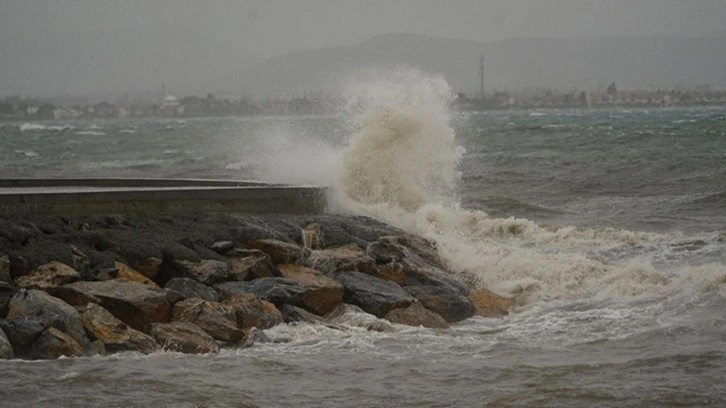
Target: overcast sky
x=270, y=27
x=34, y=33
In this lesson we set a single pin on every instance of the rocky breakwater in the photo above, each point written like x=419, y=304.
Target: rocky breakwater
x=88, y=285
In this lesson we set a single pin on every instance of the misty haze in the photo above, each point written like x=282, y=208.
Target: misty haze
x=401, y=203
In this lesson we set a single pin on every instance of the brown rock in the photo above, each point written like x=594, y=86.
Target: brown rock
x=489, y=304
x=321, y=295
x=392, y=271
x=207, y=271
x=252, y=336
x=248, y=264
x=219, y=320
x=54, y=343
x=133, y=303
x=124, y=271
x=279, y=291
x=114, y=334
x=148, y=267
x=251, y=311
x=47, y=276
x=344, y=258
x=292, y=314
x=279, y=251
x=183, y=337
x=417, y=315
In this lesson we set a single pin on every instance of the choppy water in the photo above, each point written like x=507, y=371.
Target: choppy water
x=608, y=227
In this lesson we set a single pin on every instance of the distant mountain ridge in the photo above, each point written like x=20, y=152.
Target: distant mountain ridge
x=631, y=62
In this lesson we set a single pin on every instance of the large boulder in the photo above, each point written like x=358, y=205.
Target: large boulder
x=248, y=264
x=417, y=315
x=448, y=303
x=207, y=271
x=373, y=295
x=113, y=333
x=183, y=337
x=251, y=311
x=6, y=348
x=48, y=311
x=22, y=333
x=133, y=303
x=343, y=258
x=219, y=320
x=322, y=293
x=191, y=288
x=280, y=252
x=54, y=343
x=7, y=291
x=350, y=315
x=292, y=314
x=148, y=266
x=489, y=304
x=277, y=290
x=47, y=276
x=419, y=272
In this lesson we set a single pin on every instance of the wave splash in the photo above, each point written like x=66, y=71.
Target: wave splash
x=400, y=166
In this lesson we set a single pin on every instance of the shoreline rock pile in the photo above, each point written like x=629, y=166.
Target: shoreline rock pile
x=89, y=285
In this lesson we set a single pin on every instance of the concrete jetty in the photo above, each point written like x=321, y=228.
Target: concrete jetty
x=108, y=195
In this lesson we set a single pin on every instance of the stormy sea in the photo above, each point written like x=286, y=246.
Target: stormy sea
x=607, y=228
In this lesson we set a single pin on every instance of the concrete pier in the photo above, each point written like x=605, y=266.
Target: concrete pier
x=173, y=196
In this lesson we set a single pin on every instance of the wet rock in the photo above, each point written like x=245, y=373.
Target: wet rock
x=221, y=247
x=21, y=333
x=344, y=258
x=312, y=236
x=393, y=271
x=418, y=246
x=489, y=304
x=292, y=314
x=114, y=334
x=252, y=336
x=6, y=292
x=5, y=268
x=126, y=272
x=279, y=291
x=373, y=295
x=417, y=315
x=248, y=264
x=419, y=272
x=183, y=337
x=218, y=320
x=191, y=288
x=6, y=349
x=251, y=311
x=322, y=293
x=207, y=271
x=49, y=311
x=279, y=251
x=133, y=303
x=387, y=251
x=54, y=343
x=351, y=315
x=172, y=296
x=79, y=259
x=47, y=276
x=449, y=304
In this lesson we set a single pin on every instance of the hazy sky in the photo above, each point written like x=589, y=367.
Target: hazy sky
x=234, y=32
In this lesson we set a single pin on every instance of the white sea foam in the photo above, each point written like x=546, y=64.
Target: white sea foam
x=400, y=167
x=29, y=127
x=90, y=133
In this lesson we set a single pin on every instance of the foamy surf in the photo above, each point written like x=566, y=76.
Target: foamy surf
x=400, y=166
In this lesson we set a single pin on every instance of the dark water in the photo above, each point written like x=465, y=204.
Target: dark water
x=608, y=227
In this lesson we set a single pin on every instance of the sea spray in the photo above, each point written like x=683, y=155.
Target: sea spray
x=400, y=166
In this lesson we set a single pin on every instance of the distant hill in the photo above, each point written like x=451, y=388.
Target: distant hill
x=631, y=62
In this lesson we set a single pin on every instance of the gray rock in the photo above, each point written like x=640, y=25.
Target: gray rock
x=49, y=311
x=449, y=304
x=221, y=247
x=191, y=288
x=6, y=348
x=373, y=295
x=54, y=343
x=207, y=271
x=277, y=290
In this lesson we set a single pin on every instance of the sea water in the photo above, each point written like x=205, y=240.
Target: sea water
x=607, y=228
